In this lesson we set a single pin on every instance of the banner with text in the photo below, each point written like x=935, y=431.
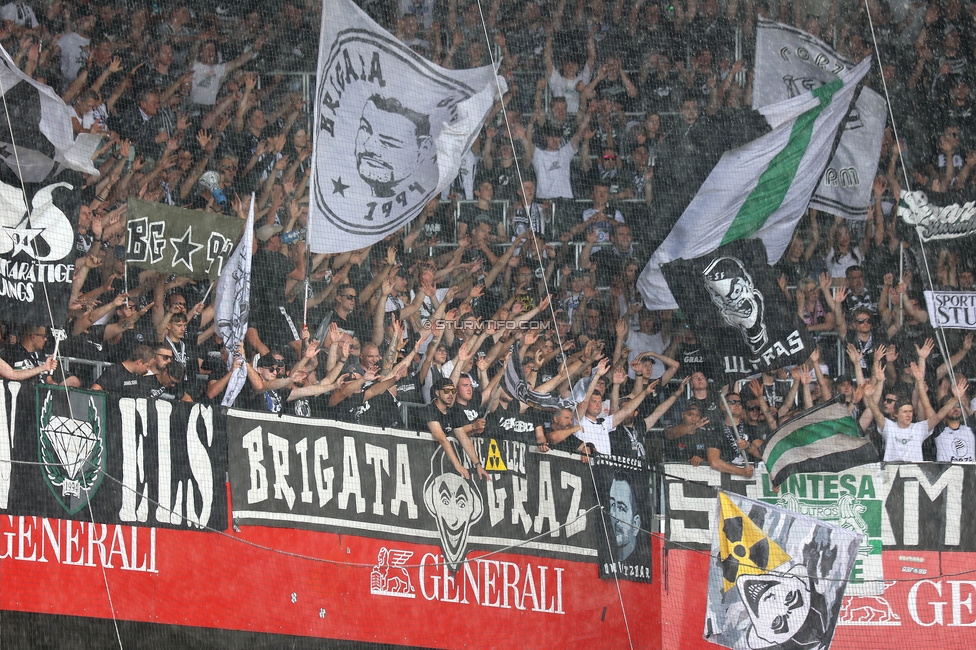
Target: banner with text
x=169, y=239
x=790, y=62
x=136, y=462
x=37, y=249
x=391, y=484
x=952, y=309
x=624, y=488
x=910, y=494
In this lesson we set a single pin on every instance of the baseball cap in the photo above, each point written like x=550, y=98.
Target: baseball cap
x=441, y=383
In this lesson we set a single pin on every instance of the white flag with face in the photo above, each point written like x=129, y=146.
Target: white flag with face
x=790, y=62
x=390, y=130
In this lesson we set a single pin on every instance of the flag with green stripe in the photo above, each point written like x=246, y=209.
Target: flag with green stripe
x=760, y=189
x=823, y=439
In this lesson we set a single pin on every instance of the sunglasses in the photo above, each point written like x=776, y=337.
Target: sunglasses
x=164, y=356
x=449, y=391
x=861, y=321
x=734, y=401
x=889, y=401
x=349, y=297
x=755, y=408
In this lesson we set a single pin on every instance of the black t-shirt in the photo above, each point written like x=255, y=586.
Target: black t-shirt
x=20, y=359
x=448, y=421
x=510, y=424
x=119, y=382
x=467, y=413
x=724, y=440
x=150, y=387
x=759, y=431
x=382, y=411
x=272, y=401
x=684, y=448
x=270, y=271
x=408, y=390
x=628, y=440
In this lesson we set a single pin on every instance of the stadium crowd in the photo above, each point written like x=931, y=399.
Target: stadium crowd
x=539, y=241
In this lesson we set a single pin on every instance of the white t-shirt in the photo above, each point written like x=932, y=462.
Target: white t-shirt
x=598, y=434
x=552, y=172
x=904, y=444
x=956, y=445
x=73, y=55
x=206, y=82
x=838, y=269
x=560, y=86
x=639, y=343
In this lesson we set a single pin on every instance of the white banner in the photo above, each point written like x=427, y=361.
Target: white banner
x=232, y=305
x=790, y=62
x=952, y=309
x=391, y=128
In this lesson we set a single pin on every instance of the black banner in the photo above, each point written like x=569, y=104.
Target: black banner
x=625, y=546
x=175, y=240
x=389, y=484
x=739, y=314
x=37, y=249
x=136, y=462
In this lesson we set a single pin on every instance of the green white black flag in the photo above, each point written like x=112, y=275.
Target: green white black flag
x=760, y=189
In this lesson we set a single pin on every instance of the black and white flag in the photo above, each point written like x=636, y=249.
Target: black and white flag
x=790, y=62
x=390, y=130
x=232, y=305
x=737, y=311
x=37, y=249
x=36, y=137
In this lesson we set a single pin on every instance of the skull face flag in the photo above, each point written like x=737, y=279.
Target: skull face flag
x=390, y=131
x=777, y=578
x=737, y=311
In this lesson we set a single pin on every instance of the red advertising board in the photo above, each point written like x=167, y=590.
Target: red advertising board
x=288, y=581
x=929, y=601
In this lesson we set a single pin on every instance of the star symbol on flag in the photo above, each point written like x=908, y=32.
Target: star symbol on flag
x=338, y=187
x=22, y=235
x=184, y=248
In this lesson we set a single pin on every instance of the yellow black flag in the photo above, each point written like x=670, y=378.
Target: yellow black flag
x=744, y=549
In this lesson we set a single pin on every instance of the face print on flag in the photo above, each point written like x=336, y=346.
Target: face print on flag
x=381, y=110
x=778, y=579
x=739, y=302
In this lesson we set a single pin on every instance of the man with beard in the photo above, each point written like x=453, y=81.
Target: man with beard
x=629, y=542
x=442, y=421
x=393, y=141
